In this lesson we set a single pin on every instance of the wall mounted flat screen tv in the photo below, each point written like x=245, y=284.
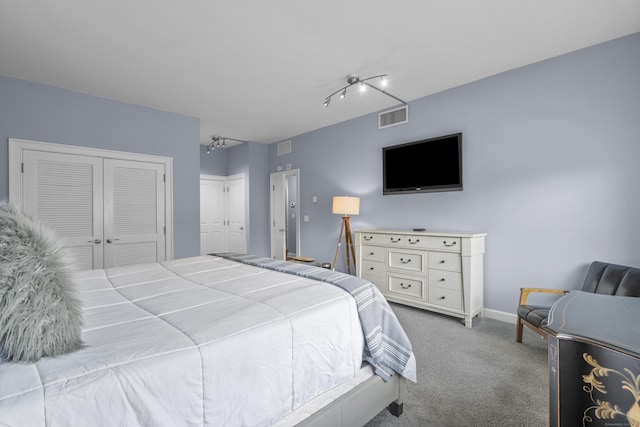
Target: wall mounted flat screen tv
x=428, y=165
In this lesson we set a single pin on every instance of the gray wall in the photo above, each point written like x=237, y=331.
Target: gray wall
x=550, y=170
x=43, y=113
x=259, y=213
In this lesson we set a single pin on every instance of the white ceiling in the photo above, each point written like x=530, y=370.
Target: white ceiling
x=260, y=70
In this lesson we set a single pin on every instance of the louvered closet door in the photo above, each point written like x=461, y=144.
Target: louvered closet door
x=134, y=216
x=65, y=192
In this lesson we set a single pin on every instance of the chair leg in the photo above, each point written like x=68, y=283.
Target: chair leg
x=519, y=330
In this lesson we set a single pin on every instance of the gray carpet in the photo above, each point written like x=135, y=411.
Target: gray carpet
x=471, y=377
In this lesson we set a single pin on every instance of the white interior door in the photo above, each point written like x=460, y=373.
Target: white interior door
x=278, y=216
x=212, y=215
x=65, y=191
x=134, y=220
x=236, y=235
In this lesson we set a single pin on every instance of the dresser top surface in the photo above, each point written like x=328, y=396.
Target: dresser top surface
x=423, y=233
x=607, y=319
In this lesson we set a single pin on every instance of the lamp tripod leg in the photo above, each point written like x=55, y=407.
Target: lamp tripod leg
x=335, y=259
x=349, y=248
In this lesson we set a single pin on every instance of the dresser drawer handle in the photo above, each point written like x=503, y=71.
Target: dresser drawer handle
x=371, y=268
x=413, y=242
x=442, y=261
x=395, y=240
x=367, y=238
x=405, y=262
x=442, y=297
x=372, y=253
x=449, y=244
x=442, y=280
x=402, y=285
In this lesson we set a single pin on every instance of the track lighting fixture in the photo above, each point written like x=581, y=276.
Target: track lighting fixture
x=363, y=85
x=216, y=142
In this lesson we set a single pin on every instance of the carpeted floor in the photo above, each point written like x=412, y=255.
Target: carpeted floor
x=471, y=377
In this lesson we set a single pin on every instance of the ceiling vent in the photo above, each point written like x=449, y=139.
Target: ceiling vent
x=393, y=117
x=284, y=147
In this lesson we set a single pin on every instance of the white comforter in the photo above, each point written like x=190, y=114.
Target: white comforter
x=195, y=341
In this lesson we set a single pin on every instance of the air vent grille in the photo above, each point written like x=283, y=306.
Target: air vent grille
x=284, y=147
x=393, y=117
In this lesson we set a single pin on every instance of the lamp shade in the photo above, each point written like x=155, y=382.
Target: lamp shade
x=343, y=205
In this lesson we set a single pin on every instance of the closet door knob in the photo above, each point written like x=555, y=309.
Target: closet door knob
x=111, y=240
x=97, y=241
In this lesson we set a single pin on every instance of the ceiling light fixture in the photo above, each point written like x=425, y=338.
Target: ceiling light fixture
x=216, y=142
x=363, y=84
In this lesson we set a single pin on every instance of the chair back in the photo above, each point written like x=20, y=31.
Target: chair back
x=612, y=279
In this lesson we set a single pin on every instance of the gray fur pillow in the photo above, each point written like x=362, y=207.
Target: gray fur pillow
x=40, y=314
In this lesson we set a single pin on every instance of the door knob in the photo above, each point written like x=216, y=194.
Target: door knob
x=97, y=241
x=111, y=240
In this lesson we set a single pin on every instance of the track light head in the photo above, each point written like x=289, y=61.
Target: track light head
x=344, y=93
x=327, y=101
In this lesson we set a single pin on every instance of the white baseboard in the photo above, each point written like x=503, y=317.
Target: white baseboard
x=503, y=316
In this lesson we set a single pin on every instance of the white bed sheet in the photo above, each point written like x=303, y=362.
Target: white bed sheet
x=195, y=341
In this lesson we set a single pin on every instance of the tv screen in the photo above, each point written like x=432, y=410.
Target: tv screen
x=428, y=165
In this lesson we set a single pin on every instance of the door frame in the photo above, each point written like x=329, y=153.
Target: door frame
x=226, y=210
x=17, y=146
x=295, y=173
x=245, y=234
x=223, y=180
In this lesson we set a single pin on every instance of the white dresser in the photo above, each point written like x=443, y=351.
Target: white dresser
x=441, y=272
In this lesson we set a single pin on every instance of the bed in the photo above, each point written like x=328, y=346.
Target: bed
x=218, y=341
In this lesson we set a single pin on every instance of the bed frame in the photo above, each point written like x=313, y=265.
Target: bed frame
x=362, y=403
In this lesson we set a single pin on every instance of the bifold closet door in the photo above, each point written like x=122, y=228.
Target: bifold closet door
x=64, y=191
x=134, y=217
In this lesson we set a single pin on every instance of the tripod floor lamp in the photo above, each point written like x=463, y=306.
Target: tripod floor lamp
x=345, y=206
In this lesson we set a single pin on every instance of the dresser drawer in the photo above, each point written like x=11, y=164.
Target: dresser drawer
x=410, y=261
x=445, y=279
x=451, y=244
x=445, y=297
x=382, y=239
x=373, y=253
x=445, y=261
x=373, y=268
x=413, y=287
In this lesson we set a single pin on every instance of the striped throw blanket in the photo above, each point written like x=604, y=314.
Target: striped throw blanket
x=387, y=347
